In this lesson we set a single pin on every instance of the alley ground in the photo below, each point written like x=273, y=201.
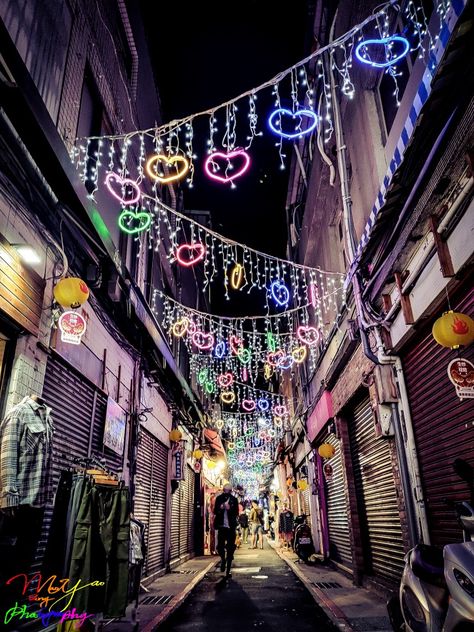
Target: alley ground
x=262, y=594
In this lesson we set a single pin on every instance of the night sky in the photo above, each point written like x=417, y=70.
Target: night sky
x=207, y=52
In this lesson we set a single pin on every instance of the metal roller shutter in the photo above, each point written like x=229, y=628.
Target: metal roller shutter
x=337, y=510
x=175, y=522
x=191, y=480
x=442, y=425
x=156, y=546
x=142, y=500
x=377, y=497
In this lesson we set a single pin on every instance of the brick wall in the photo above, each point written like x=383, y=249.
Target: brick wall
x=351, y=378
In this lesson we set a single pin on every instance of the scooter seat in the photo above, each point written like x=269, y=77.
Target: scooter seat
x=427, y=563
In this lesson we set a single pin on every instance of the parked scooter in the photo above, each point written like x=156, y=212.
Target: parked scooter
x=437, y=588
x=302, y=539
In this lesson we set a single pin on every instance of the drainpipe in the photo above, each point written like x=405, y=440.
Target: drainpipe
x=380, y=358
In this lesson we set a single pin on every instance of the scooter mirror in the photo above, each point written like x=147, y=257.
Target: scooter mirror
x=464, y=470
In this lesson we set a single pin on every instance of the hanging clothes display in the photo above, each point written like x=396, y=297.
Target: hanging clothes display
x=26, y=435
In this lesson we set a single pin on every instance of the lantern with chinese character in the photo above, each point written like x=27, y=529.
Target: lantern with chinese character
x=71, y=292
x=198, y=454
x=454, y=329
x=175, y=435
x=326, y=450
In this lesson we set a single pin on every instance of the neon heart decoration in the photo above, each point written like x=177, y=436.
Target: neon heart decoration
x=244, y=355
x=271, y=343
x=186, y=257
x=209, y=387
x=245, y=374
x=203, y=341
x=263, y=404
x=228, y=397
x=277, y=128
x=280, y=293
x=182, y=169
x=113, y=178
x=180, y=327
x=220, y=349
x=225, y=380
x=286, y=363
x=219, y=424
x=211, y=162
x=192, y=328
x=275, y=357
x=280, y=410
x=386, y=41
x=202, y=376
x=268, y=371
x=308, y=335
x=299, y=354
x=125, y=217
x=235, y=344
x=249, y=405
x=313, y=294
x=237, y=276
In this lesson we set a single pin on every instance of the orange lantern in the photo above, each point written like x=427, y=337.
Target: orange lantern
x=302, y=485
x=71, y=292
x=198, y=454
x=454, y=329
x=175, y=435
x=289, y=481
x=326, y=450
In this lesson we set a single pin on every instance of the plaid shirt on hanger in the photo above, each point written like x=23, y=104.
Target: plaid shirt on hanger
x=26, y=436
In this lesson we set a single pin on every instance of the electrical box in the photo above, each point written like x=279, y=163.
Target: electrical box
x=385, y=384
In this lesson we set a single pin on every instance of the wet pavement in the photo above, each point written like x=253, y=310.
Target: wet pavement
x=262, y=594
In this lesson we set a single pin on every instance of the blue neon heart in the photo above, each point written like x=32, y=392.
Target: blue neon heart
x=286, y=363
x=220, y=349
x=263, y=404
x=280, y=293
x=282, y=112
x=385, y=42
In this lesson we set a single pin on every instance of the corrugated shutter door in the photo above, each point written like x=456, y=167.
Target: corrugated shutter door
x=442, y=425
x=191, y=479
x=175, y=522
x=142, y=500
x=183, y=525
x=156, y=552
x=377, y=497
x=305, y=502
x=338, y=522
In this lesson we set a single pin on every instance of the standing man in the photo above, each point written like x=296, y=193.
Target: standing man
x=226, y=511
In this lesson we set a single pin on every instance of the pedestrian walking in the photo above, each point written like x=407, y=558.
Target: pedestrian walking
x=256, y=524
x=226, y=511
x=244, y=526
x=285, y=526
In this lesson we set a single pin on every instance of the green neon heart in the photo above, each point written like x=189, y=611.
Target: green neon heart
x=244, y=355
x=144, y=221
x=210, y=387
x=202, y=376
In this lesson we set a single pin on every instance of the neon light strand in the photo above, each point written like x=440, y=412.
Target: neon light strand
x=185, y=254
x=228, y=397
x=220, y=350
x=271, y=342
x=211, y=164
x=203, y=341
x=113, y=178
x=225, y=380
x=308, y=335
x=386, y=42
x=237, y=277
x=152, y=164
x=202, y=376
x=249, y=405
x=286, y=363
x=125, y=217
x=280, y=293
x=280, y=410
x=275, y=118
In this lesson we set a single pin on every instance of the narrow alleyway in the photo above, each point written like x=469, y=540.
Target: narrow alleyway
x=262, y=594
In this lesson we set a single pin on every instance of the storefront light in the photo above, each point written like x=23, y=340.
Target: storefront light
x=27, y=253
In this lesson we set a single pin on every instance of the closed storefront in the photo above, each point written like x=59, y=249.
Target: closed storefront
x=377, y=501
x=337, y=510
x=150, y=499
x=442, y=425
x=182, y=517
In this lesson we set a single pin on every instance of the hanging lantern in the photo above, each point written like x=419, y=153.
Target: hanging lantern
x=198, y=454
x=289, y=481
x=454, y=329
x=211, y=465
x=302, y=485
x=71, y=292
x=326, y=450
x=175, y=435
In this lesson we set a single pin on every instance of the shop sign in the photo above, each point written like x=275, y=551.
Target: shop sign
x=328, y=471
x=72, y=327
x=178, y=462
x=461, y=374
x=115, y=425
x=197, y=467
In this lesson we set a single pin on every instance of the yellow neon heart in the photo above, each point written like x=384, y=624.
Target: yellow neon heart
x=170, y=161
x=299, y=354
x=268, y=371
x=180, y=327
x=228, y=397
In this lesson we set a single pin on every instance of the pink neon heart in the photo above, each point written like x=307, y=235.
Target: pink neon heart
x=112, y=179
x=225, y=380
x=227, y=156
x=308, y=335
x=275, y=357
x=248, y=405
x=235, y=344
x=280, y=411
x=203, y=341
x=190, y=254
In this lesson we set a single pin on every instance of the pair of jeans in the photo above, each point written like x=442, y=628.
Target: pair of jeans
x=100, y=550
x=226, y=544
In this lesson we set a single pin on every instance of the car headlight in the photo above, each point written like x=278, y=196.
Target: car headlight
x=463, y=580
